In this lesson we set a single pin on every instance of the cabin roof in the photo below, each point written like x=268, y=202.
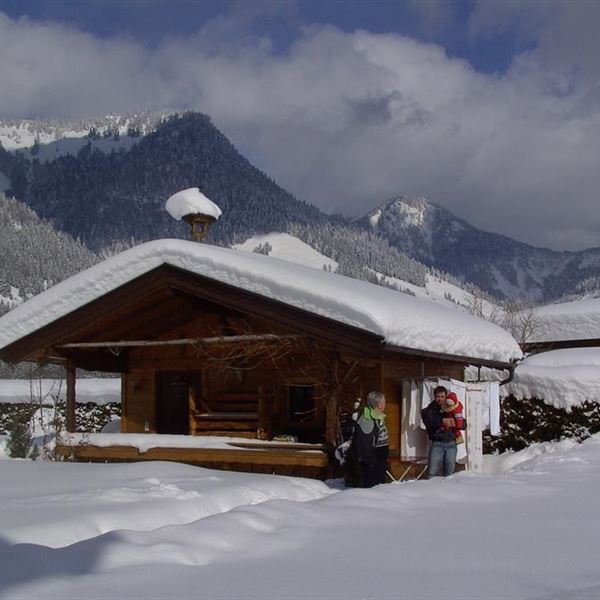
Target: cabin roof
x=577, y=321
x=561, y=378
x=396, y=320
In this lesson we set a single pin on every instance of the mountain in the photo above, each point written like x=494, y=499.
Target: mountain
x=104, y=197
x=113, y=198
x=498, y=264
x=105, y=182
x=34, y=255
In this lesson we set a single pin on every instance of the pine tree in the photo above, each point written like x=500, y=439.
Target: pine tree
x=20, y=442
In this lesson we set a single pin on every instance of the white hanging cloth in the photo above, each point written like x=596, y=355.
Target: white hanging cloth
x=475, y=393
x=413, y=408
x=494, y=396
x=413, y=439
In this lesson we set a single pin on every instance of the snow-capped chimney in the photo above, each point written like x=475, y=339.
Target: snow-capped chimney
x=195, y=209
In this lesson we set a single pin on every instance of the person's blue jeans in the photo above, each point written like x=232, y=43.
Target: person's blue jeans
x=442, y=458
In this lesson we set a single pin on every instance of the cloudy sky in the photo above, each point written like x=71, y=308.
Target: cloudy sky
x=490, y=109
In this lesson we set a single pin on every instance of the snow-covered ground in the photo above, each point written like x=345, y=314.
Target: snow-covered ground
x=159, y=530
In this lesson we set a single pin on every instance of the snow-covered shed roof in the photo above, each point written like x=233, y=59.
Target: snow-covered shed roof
x=575, y=320
x=562, y=378
x=401, y=320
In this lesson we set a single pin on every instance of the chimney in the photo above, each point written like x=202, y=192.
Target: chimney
x=195, y=209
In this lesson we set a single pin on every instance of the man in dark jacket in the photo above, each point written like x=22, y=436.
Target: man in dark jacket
x=371, y=441
x=440, y=429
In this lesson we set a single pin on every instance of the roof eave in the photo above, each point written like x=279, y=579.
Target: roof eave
x=560, y=344
x=466, y=360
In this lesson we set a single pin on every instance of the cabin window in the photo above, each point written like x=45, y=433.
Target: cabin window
x=301, y=404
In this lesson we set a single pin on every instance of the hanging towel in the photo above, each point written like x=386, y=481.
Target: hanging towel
x=413, y=440
x=494, y=395
x=459, y=388
x=419, y=403
x=413, y=412
x=485, y=405
x=474, y=426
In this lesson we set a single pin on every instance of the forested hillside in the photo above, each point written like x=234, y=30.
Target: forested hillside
x=107, y=197
x=34, y=255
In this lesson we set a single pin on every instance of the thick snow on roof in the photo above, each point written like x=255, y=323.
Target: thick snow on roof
x=562, y=378
x=191, y=201
x=400, y=319
x=576, y=320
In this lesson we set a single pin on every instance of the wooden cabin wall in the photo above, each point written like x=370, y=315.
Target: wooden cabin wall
x=138, y=401
x=393, y=396
x=301, y=367
x=339, y=379
x=404, y=367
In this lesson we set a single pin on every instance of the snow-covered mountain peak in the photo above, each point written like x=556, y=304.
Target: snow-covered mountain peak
x=50, y=138
x=413, y=213
x=403, y=212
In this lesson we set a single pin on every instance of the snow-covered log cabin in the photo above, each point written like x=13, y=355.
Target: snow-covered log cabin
x=238, y=360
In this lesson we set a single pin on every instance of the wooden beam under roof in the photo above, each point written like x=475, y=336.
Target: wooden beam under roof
x=229, y=339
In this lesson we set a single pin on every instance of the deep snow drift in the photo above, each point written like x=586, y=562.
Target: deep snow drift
x=575, y=320
x=142, y=531
x=562, y=378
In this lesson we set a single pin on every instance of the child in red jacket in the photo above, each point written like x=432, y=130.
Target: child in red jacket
x=453, y=407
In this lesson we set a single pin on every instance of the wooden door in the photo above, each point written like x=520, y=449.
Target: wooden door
x=173, y=393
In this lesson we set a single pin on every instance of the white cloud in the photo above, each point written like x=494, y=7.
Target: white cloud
x=346, y=120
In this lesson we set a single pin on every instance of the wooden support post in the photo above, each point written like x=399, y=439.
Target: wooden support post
x=71, y=399
x=331, y=420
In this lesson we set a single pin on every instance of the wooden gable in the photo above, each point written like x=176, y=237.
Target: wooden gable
x=161, y=301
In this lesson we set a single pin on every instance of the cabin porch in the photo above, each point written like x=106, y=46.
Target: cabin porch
x=225, y=453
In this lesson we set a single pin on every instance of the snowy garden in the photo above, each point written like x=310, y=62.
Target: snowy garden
x=527, y=528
